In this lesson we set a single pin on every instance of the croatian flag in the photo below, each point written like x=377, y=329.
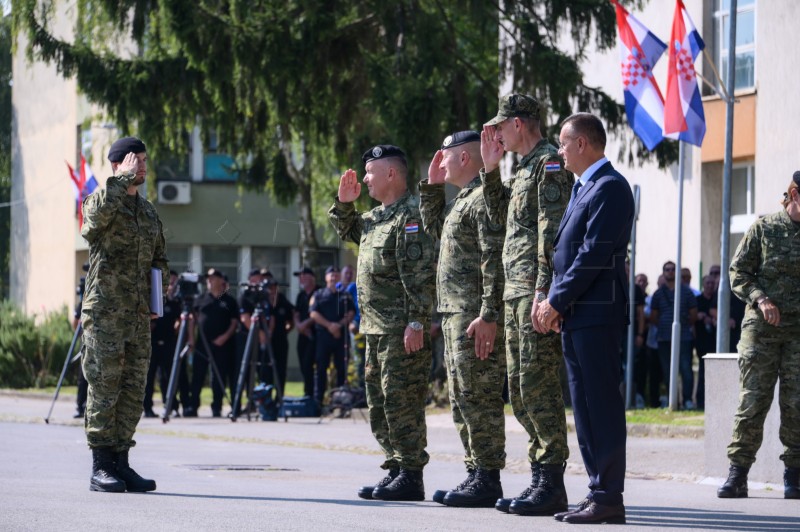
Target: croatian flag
x=683, y=111
x=639, y=51
x=88, y=181
x=83, y=184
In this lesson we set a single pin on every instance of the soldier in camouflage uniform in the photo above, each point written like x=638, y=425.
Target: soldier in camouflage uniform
x=765, y=275
x=395, y=291
x=125, y=241
x=469, y=285
x=531, y=206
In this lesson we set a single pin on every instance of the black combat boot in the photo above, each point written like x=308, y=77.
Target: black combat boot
x=407, y=486
x=791, y=483
x=549, y=498
x=736, y=485
x=483, y=492
x=104, y=472
x=133, y=481
x=536, y=471
x=365, y=492
x=438, y=495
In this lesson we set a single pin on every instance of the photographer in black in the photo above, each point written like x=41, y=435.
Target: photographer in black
x=163, y=337
x=306, y=348
x=281, y=322
x=83, y=386
x=218, y=316
x=332, y=311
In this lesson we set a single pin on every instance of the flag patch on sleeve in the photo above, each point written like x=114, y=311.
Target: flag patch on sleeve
x=553, y=166
x=412, y=227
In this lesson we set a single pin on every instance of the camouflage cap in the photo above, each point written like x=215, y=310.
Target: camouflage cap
x=459, y=138
x=513, y=105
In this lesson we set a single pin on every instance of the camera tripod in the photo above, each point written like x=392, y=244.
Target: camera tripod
x=258, y=322
x=181, y=349
x=67, y=361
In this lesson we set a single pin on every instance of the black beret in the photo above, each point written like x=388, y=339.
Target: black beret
x=796, y=177
x=462, y=137
x=123, y=147
x=382, y=151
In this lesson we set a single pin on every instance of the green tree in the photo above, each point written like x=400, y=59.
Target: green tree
x=5, y=153
x=297, y=89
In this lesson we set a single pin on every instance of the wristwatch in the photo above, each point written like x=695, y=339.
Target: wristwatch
x=540, y=296
x=415, y=325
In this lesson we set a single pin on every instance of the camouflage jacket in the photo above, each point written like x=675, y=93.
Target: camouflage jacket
x=765, y=264
x=531, y=205
x=469, y=276
x=125, y=240
x=395, y=263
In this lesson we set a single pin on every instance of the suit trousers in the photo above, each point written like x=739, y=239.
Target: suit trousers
x=593, y=369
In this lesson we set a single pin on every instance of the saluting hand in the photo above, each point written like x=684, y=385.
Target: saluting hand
x=491, y=148
x=129, y=164
x=435, y=173
x=349, y=187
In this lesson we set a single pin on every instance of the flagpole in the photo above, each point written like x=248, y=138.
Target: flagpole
x=724, y=292
x=676, y=320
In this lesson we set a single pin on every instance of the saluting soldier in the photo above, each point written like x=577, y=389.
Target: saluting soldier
x=395, y=290
x=469, y=289
x=531, y=206
x=125, y=240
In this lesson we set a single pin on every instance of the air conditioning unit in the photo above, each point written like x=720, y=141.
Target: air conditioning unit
x=174, y=192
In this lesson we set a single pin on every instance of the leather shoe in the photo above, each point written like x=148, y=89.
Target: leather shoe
x=598, y=513
x=581, y=506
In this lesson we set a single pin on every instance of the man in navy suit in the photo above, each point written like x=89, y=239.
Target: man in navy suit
x=587, y=302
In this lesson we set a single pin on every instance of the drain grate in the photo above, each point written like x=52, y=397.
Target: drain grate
x=235, y=467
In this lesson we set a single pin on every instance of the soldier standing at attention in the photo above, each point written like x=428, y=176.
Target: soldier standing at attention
x=125, y=241
x=531, y=206
x=765, y=275
x=469, y=290
x=395, y=290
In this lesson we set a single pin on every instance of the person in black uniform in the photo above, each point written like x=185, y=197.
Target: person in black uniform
x=332, y=311
x=163, y=337
x=83, y=386
x=306, y=346
x=218, y=315
x=281, y=322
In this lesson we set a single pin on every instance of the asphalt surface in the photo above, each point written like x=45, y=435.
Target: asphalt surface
x=303, y=474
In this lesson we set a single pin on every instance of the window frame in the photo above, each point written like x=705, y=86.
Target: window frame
x=721, y=41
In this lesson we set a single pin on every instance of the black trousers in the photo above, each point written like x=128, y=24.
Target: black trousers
x=225, y=360
x=161, y=365
x=593, y=369
x=306, y=354
x=328, y=346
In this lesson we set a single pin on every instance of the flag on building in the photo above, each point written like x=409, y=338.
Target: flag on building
x=639, y=52
x=83, y=184
x=88, y=181
x=683, y=110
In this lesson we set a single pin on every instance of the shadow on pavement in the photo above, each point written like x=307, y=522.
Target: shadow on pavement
x=707, y=519
x=345, y=502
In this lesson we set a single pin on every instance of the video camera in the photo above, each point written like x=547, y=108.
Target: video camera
x=257, y=294
x=188, y=286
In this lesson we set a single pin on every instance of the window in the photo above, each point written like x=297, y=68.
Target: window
x=743, y=197
x=745, y=77
x=225, y=259
x=276, y=260
x=179, y=260
x=217, y=166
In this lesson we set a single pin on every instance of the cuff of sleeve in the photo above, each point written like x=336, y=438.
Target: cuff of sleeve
x=490, y=176
x=489, y=315
x=426, y=186
x=126, y=178
x=544, y=278
x=755, y=295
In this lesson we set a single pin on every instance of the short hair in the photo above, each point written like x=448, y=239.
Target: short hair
x=531, y=124
x=667, y=264
x=589, y=126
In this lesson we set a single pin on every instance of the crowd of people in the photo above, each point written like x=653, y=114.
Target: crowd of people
x=544, y=252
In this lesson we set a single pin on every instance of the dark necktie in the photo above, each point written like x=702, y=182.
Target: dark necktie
x=575, y=188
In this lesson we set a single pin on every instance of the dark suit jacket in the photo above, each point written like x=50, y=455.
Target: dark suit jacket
x=590, y=287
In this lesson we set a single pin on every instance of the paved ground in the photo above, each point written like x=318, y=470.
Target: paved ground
x=303, y=475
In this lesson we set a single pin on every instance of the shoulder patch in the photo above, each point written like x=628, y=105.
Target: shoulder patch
x=552, y=166
x=552, y=192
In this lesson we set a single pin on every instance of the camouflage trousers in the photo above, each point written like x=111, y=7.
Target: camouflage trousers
x=397, y=386
x=534, y=387
x=116, y=356
x=476, y=393
x=767, y=353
